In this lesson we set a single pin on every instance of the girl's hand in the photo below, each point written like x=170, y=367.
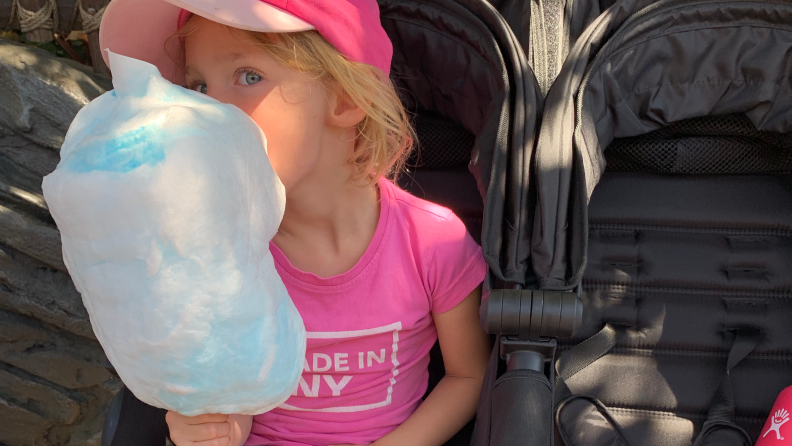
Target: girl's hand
x=208, y=429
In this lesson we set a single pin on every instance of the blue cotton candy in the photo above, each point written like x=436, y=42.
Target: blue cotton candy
x=166, y=203
x=120, y=153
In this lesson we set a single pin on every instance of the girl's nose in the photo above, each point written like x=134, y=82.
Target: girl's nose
x=226, y=96
x=219, y=93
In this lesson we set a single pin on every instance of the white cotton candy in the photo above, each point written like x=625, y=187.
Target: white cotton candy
x=166, y=203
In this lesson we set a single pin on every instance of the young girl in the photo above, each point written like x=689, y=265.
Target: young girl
x=377, y=274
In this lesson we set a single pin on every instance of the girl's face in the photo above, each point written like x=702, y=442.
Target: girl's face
x=290, y=108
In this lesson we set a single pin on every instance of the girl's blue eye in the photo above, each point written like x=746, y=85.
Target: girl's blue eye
x=200, y=88
x=249, y=78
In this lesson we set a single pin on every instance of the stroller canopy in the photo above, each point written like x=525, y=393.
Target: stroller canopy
x=460, y=60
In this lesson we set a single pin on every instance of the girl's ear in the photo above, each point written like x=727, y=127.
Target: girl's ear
x=343, y=112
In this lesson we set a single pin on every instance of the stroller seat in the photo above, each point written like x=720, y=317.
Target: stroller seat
x=664, y=195
x=438, y=169
x=691, y=225
x=673, y=257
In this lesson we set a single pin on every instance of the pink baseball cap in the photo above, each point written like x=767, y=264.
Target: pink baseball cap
x=140, y=28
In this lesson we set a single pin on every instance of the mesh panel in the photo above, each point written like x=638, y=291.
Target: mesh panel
x=726, y=144
x=441, y=142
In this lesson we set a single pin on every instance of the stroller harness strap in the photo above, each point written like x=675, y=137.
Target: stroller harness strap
x=583, y=355
x=584, y=407
x=585, y=415
x=720, y=428
x=575, y=414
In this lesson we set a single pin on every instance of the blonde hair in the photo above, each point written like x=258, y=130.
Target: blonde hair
x=385, y=136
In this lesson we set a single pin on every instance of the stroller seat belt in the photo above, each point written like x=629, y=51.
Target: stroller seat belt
x=571, y=410
x=720, y=428
x=575, y=415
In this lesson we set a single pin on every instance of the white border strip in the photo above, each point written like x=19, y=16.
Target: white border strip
x=353, y=333
x=394, y=327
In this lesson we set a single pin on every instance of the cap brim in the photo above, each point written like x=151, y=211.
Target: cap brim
x=141, y=28
x=251, y=15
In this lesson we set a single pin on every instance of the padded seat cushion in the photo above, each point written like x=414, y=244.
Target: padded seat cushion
x=683, y=259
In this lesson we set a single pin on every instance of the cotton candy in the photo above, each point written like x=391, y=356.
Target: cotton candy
x=166, y=202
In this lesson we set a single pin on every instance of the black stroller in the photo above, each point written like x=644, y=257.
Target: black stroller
x=461, y=71
x=663, y=185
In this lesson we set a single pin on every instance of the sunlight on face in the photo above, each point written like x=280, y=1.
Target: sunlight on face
x=289, y=107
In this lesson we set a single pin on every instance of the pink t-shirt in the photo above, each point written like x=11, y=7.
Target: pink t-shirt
x=370, y=329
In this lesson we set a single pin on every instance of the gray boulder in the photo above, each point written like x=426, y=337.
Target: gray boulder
x=53, y=387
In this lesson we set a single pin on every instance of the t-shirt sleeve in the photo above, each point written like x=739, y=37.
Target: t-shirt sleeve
x=457, y=267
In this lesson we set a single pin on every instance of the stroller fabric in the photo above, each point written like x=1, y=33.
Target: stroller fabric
x=689, y=73
x=547, y=29
x=459, y=62
x=664, y=192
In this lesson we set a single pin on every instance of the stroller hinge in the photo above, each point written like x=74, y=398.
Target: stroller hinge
x=529, y=321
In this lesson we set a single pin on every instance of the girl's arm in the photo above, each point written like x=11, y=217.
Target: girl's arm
x=452, y=403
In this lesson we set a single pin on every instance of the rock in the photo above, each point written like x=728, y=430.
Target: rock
x=23, y=163
x=31, y=288
x=51, y=382
x=95, y=439
x=54, y=389
x=87, y=434
x=37, y=398
x=20, y=199
x=19, y=424
x=67, y=361
x=31, y=237
x=41, y=94
x=88, y=431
